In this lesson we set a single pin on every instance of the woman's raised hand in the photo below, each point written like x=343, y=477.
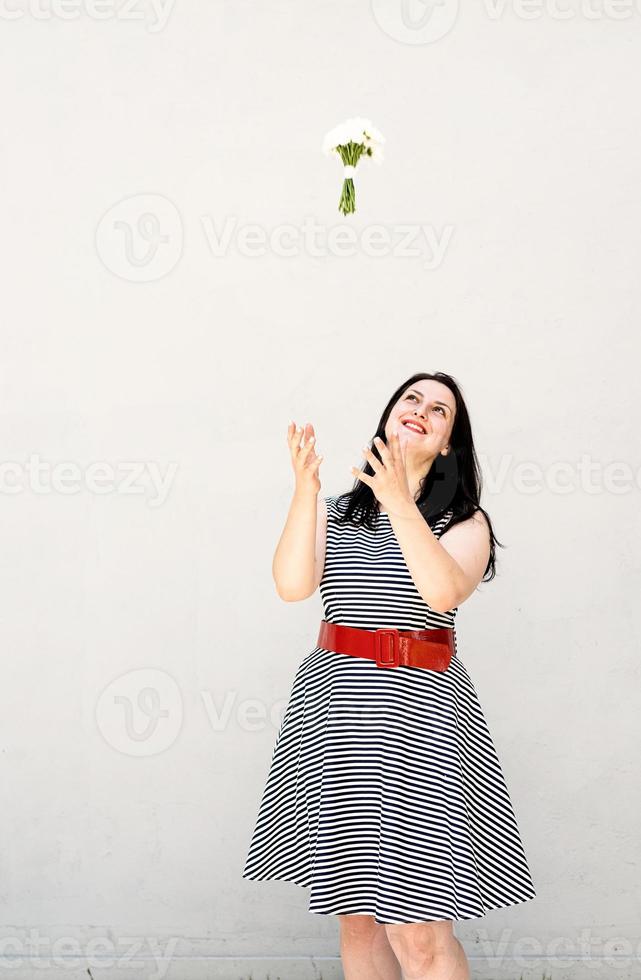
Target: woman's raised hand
x=305, y=462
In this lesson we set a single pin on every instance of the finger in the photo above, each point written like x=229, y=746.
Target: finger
x=309, y=447
x=294, y=437
x=385, y=451
x=360, y=475
x=308, y=436
x=295, y=451
x=375, y=463
x=309, y=432
x=402, y=447
x=403, y=455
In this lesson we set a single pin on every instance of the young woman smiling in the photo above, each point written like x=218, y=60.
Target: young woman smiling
x=385, y=796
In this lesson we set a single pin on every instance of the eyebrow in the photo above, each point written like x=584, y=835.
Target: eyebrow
x=417, y=392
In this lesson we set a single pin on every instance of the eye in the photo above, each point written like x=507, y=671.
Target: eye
x=413, y=396
x=441, y=409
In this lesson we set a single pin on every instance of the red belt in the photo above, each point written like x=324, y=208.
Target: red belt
x=391, y=647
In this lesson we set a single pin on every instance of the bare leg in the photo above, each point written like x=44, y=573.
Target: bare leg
x=366, y=953
x=428, y=951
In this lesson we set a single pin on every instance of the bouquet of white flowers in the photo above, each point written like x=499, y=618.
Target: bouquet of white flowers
x=351, y=140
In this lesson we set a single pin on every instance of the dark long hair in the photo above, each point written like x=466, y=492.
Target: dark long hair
x=453, y=482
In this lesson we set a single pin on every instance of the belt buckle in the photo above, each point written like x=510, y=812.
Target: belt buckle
x=395, y=660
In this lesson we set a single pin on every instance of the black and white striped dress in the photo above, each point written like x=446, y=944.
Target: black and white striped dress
x=385, y=795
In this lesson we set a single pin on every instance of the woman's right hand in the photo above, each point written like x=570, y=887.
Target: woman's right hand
x=305, y=462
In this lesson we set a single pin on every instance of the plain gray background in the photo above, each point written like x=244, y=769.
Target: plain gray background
x=178, y=284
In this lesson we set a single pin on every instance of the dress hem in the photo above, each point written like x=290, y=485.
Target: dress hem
x=450, y=918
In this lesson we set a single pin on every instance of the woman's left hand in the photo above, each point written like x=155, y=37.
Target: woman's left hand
x=389, y=480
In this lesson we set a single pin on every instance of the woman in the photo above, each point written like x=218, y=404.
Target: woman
x=385, y=795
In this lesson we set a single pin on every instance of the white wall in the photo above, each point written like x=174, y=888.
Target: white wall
x=131, y=621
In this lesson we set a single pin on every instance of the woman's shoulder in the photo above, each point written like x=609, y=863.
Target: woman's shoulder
x=476, y=523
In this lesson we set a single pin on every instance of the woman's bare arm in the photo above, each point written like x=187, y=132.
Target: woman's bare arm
x=300, y=554
x=445, y=571
x=298, y=563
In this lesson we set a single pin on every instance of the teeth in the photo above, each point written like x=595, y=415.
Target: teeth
x=411, y=425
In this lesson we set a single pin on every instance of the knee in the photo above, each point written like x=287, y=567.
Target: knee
x=420, y=939
x=358, y=927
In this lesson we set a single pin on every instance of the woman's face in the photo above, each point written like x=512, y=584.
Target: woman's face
x=432, y=406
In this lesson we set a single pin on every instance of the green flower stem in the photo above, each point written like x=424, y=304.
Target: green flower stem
x=347, y=203
x=350, y=154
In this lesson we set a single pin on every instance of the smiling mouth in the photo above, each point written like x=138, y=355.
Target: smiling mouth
x=414, y=427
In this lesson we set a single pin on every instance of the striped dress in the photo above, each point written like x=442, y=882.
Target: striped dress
x=385, y=795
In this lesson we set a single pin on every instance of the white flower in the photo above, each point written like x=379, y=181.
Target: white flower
x=377, y=153
x=355, y=130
